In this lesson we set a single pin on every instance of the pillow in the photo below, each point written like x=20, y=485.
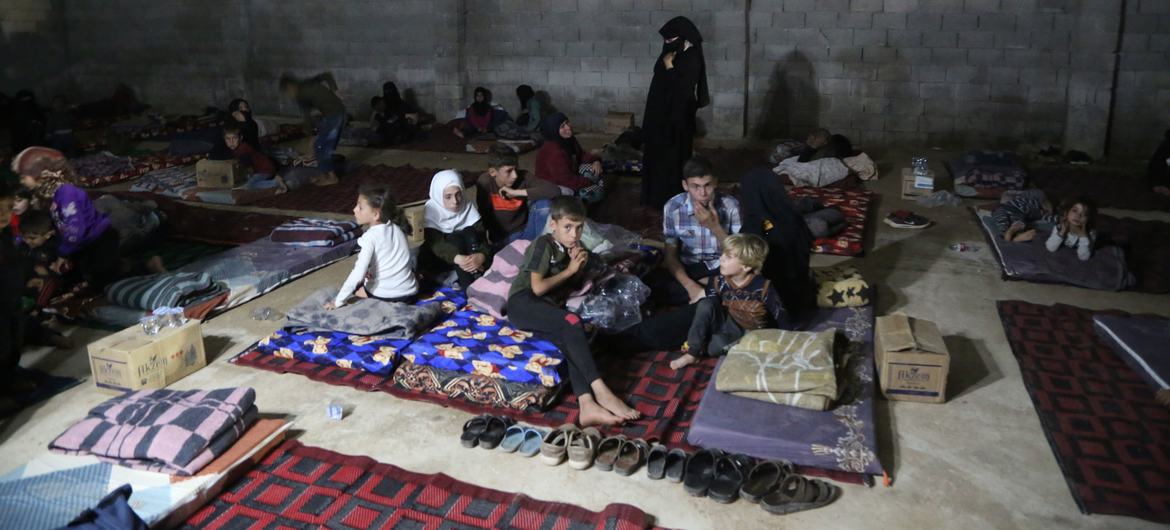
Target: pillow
x=841, y=286
x=489, y=293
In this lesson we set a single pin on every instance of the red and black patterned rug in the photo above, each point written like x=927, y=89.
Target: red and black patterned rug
x=409, y=184
x=666, y=398
x=307, y=487
x=1110, y=438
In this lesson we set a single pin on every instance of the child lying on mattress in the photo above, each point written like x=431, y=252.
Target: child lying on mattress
x=1017, y=214
x=1075, y=229
x=738, y=300
x=384, y=261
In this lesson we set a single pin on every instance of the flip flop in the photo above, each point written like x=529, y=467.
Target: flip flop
x=607, y=452
x=676, y=464
x=513, y=437
x=631, y=456
x=556, y=444
x=582, y=448
x=531, y=444
x=764, y=478
x=494, y=433
x=656, y=462
x=797, y=493
x=472, y=430
x=700, y=471
x=730, y=472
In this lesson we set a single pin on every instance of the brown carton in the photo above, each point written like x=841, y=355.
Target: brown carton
x=912, y=359
x=618, y=122
x=130, y=359
x=913, y=187
x=220, y=174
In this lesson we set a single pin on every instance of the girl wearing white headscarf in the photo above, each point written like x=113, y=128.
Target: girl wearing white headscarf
x=454, y=235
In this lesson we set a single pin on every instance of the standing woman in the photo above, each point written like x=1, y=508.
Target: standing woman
x=677, y=90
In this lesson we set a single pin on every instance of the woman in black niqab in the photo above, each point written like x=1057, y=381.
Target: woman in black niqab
x=768, y=213
x=668, y=123
x=240, y=111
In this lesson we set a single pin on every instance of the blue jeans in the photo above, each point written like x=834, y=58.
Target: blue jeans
x=260, y=181
x=328, y=135
x=537, y=221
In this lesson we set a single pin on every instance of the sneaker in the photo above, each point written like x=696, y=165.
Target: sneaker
x=906, y=219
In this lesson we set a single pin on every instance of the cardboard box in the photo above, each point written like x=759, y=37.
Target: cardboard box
x=220, y=174
x=618, y=122
x=913, y=187
x=912, y=359
x=130, y=359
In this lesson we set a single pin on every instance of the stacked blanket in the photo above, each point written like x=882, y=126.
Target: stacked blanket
x=168, y=431
x=989, y=170
x=167, y=289
x=792, y=368
x=816, y=174
x=308, y=232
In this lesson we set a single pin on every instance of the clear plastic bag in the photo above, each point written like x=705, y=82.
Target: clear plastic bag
x=616, y=304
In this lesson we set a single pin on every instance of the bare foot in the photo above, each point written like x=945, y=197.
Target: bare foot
x=457, y=132
x=594, y=414
x=1026, y=235
x=155, y=264
x=325, y=179
x=606, y=398
x=281, y=187
x=685, y=360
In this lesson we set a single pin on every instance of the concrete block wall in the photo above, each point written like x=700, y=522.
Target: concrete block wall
x=1142, y=110
x=32, y=45
x=993, y=73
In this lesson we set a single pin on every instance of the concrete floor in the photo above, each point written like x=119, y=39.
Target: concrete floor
x=979, y=461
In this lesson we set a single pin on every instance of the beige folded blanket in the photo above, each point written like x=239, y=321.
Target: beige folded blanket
x=792, y=368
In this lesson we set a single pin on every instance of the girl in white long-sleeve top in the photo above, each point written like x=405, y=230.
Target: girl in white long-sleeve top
x=384, y=260
x=1076, y=228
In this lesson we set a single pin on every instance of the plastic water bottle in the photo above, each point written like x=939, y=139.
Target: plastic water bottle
x=919, y=164
x=963, y=247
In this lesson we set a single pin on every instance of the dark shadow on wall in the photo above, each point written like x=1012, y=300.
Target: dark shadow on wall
x=791, y=105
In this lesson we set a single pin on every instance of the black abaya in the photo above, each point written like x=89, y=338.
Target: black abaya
x=668, y=122
x=768, y=213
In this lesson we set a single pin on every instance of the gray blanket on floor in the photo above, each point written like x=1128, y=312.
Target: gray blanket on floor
x=365, y=316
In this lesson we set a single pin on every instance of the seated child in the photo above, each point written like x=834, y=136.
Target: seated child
x=20, y=205
x=562, y=161
x=1016, y=214
x=482, y=116
x=738, y=300
x=454, y=234
x=86, y=237
x=384, y=261
x=46, y=268
x=514, y=204
x=529, y=116
x=1075, y=229
x=554, y=265
x=240, y=113
x=264, y=174
x=396, y=121
x=694, y=225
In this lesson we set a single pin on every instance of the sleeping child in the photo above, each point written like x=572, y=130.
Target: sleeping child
x=738, y=300
x=1016, y=215
x=1075, y=229
x=455, y=237
x=382, y=270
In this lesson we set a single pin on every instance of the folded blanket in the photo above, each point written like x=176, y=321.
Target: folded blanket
x=817, y=173
x=861, y=164
x=365, y=317
x=315, y=232
x=792, y=368
x=168, y=431
x=166, y=289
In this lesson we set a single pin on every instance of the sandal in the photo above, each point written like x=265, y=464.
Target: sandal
x=700, y=471
x=607, y=452
x=531, y=444
x=656, y=462
x=631, y=456
x=555, y=445
x=764, y=478
x=582, y=447
x=472, y=430
x=676, y=465
x=797, y=493
x=513, y=437
x=730, y=472
x=494, y=433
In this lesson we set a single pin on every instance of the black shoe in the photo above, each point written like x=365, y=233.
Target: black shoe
x=676, y=464
x=656, y=462
x=700, y=471
x=730, y=473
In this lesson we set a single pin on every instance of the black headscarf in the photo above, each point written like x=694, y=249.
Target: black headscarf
x=683, y=28
x=392, y=98
x=249, y=129
x=482, y=107
x=550, y=128
x=524, y=93
x=768, y=213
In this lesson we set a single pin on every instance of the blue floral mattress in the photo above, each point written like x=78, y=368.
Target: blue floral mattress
x=371, y=354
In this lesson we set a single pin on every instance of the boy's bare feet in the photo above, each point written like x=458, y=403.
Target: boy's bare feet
x=457, y=132
x=683, y=361
x=281, y=187
x=155, y=264
x=1026, y=235
x=591, y=413
x=325, y=179
x=1010, y=233
x=610, y=402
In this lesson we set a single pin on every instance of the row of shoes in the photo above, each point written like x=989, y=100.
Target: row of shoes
x=773, y=485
